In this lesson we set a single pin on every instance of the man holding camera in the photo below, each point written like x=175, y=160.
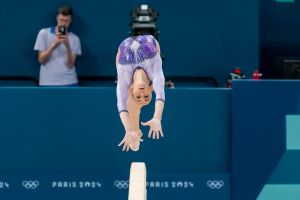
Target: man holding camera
x=57, y=50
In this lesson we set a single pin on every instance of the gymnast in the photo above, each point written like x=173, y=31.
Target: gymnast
x=139, y=68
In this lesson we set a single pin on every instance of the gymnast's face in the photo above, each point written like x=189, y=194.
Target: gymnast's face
x=142, y=93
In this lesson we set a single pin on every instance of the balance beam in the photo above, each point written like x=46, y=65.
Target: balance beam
x=137, y=181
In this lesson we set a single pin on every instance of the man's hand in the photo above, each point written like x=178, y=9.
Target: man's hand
x=62, y=39
x=66, y=41
x=155, y=128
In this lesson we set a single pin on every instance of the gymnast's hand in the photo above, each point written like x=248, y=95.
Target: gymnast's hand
x=155, y=128
x=131, y=141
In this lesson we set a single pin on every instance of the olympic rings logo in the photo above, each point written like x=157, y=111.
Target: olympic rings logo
x=215, y=184
x=121, y=184
x=30, y=184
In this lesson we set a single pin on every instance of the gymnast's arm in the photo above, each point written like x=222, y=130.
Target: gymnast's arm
x=159, y=107
x=158, y=86
x=122, y=94
x=124, y=80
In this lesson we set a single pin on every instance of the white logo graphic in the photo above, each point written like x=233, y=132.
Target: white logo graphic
x=121, y=184
x=215, y=184
x=4, y=185
x=169, y=184
x=30, y=184
x=76, y=184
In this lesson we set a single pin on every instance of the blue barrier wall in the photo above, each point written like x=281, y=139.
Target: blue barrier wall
x=259, y=110
x=70, y=135
x=61, y=131
x=74, y=127
x=198, y=38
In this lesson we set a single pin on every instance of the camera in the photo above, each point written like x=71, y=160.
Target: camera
x=143, y=21
x=62, y=30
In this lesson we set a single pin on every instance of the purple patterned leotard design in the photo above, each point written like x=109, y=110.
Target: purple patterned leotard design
x=135, y=50
x=139, y=52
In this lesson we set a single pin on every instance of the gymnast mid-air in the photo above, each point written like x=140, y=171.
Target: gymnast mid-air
x=139, y=68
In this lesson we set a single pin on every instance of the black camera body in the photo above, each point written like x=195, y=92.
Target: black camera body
x=143, y=21
x=62, y=30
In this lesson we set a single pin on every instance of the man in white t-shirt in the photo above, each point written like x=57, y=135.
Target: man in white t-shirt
x=57, y=50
